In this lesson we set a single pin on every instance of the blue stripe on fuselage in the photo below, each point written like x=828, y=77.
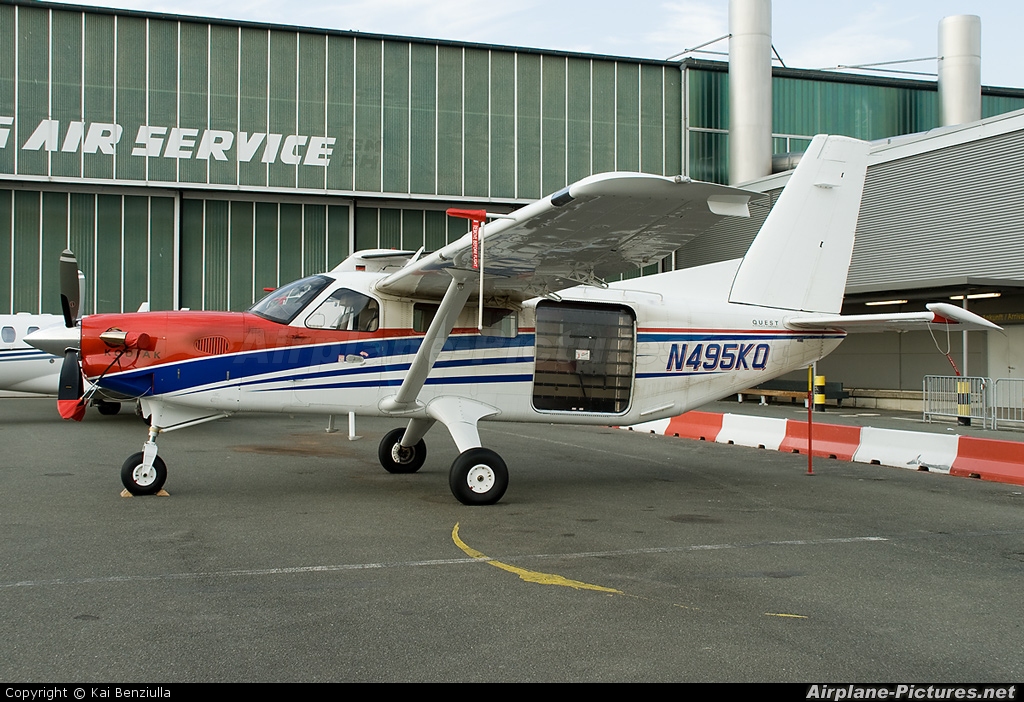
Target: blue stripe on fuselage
x=24, y=354
x=194, y=373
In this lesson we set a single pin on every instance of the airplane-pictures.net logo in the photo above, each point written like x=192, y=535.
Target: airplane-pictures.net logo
x=837, y=693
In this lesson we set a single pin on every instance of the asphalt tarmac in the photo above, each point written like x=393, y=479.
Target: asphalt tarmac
x=285, y=553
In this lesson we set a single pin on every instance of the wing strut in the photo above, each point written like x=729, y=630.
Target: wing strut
x=441, y=326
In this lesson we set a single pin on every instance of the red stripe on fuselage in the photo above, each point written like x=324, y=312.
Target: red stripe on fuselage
x=719, y=330
x=185, y=335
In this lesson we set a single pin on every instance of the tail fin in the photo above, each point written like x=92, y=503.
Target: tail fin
x=801, y=255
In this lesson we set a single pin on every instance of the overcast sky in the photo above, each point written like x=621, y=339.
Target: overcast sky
x=806, y=33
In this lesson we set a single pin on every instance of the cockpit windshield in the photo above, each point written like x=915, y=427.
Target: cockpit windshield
x=286, y=302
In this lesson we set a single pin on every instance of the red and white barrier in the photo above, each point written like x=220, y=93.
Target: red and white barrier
x=756, y=432
x=990, y=459
x=703, y=426
x=907, y=449
x=965, y=456
x=657, y=426
x=829, y=440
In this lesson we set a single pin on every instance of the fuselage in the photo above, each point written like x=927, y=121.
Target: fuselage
x=638, y=350
x=23, y=368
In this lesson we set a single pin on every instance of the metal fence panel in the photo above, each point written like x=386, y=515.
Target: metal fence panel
x=1007, y=401
x=956, y=396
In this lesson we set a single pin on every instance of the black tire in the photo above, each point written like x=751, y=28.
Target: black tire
x=478, y=477
x=107, y=409
x=138, y=483
x=397, y=459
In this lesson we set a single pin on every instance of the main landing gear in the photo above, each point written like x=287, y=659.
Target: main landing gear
x=478, y=476
x=106, y=407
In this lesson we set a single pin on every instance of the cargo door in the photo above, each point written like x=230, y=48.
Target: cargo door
x=585, y=358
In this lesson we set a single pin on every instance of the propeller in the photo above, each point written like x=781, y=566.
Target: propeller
x=66, y=341
x=70, y=288
x=70, y=401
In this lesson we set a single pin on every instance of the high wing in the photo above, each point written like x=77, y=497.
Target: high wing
x=938, y=313
x=597, y=228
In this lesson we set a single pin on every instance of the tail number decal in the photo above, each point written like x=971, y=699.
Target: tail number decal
x=717, y=357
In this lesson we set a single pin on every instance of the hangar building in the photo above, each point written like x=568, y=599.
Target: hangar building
x=193, y=162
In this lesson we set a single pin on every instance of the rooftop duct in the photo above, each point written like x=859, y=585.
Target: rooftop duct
x=750, y=89
x=960, y=69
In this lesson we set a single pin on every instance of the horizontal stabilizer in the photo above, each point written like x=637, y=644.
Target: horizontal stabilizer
x=938, y=313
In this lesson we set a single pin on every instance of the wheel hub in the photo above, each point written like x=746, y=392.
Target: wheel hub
x=402, y=454
x=144, y=477
x=480, y=478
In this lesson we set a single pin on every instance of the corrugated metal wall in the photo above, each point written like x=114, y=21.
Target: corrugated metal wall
x=804, y=106
x=111, y=97
x=728, y=239
x=943, y=213
x=950, y=212
x=229, y=249
x=125, y=245
x=232, y=249
x=100, y=100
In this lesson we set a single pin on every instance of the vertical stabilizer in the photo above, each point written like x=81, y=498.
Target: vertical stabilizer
x=801, y=255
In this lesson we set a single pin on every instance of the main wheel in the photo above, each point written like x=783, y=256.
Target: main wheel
x=139, y=481
x=478, y=477
x=107, y=408
x=401, y=459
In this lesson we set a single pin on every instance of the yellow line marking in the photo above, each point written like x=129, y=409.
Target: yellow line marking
x=790, y=616
x=530, y=576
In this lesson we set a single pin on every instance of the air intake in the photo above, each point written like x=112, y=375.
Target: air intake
x=212, y=345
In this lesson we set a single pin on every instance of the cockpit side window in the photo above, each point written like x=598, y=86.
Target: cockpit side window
x=285, y=303
x=346, y=310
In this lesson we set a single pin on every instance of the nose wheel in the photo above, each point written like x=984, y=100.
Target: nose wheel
x=138, y=479
x=396, y=458
x=478, y=477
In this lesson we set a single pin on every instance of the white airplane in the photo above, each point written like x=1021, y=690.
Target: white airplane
x=515, y=325
x=24, y=368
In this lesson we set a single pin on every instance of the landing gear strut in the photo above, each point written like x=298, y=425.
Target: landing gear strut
x=144, y=473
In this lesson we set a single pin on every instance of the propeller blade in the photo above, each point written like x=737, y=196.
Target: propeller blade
x=70, y=402
x=70, y=289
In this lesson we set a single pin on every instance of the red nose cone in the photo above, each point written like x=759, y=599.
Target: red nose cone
x=71, y=409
